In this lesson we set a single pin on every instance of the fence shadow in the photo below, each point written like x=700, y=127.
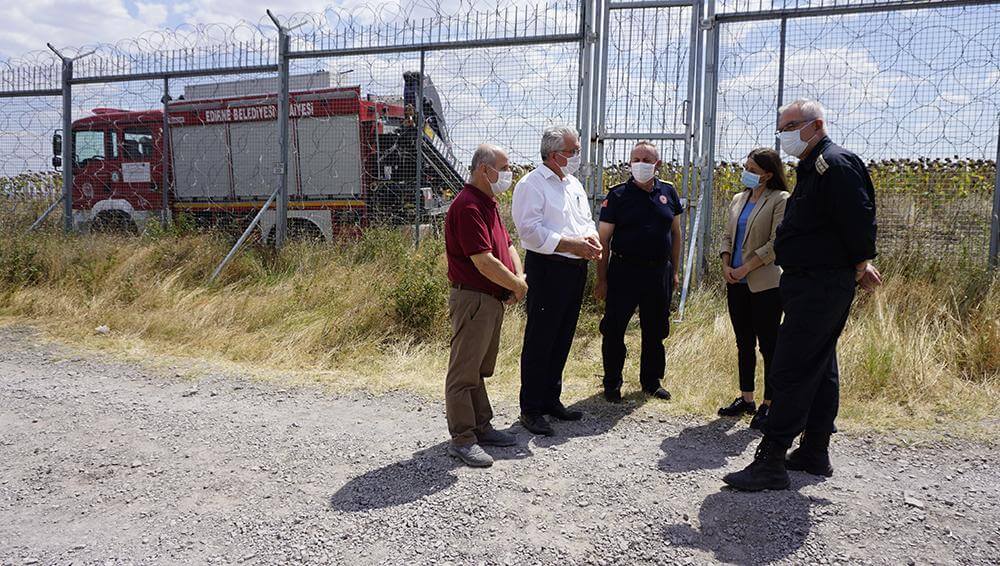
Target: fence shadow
x=705, y=447
x=599, y=417
x=427, y=472
x=750, y=528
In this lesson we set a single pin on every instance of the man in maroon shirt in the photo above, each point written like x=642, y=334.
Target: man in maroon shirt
x=485, y=273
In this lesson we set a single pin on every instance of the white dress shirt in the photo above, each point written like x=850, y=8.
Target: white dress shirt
x=547, y=208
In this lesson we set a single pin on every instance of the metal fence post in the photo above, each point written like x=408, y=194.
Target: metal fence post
x=781, y=79
x=994, y=258
x=418, y=174
x=281, y=167
x=67, y=146
x=165, y=157
x=689, y=107
x=708, y=134
x=691, y=153
x=602, y=13
x=697, y=77
x=585, y=98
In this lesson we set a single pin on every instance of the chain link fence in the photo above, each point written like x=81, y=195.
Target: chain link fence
x=915, y=93
x=385, y=109
x=386, y=105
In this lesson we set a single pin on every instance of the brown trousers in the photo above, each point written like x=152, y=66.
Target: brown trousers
x=475, y=339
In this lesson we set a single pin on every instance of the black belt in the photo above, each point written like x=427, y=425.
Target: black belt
x=500, y=297
x=641, y=261
x=561, y=259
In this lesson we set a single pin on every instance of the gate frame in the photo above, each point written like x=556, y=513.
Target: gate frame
x=691, y=136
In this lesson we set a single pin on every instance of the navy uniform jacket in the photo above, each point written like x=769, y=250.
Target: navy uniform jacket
x=642, y=220
x=830, y=218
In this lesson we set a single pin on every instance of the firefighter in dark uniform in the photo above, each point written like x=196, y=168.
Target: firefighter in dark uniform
x=824, y=246
x=640, y=224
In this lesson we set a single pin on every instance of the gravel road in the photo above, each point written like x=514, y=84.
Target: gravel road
x=107, y=462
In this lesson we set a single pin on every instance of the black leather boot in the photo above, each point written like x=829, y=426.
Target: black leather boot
x=759, y=420
x=767, y=471
x=537, y=424
x=812, y=456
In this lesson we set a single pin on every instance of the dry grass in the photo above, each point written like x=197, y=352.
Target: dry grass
x=922, y=353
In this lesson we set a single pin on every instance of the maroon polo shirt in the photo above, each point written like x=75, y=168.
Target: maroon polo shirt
x=473, y=226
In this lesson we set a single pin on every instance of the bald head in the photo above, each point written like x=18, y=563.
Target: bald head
x=487, y=162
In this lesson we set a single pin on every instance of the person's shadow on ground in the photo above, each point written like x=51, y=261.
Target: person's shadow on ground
x=751, y=528
x=599, y=417
x=705, y=447
x=427, y=472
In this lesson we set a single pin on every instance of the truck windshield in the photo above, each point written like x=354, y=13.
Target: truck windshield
x=136, y=144
x=87, y=146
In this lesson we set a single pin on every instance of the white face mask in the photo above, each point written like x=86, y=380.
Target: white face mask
x=572, y=165
x=504, y=179
x=642, y=172
x=792, y=142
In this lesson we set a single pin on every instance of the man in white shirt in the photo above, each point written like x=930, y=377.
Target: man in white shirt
x=554, y=222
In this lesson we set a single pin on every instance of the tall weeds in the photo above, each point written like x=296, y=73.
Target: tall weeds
x=922, y=351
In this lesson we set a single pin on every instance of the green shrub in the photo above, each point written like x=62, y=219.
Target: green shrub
x=20, y=263
x=385, y=245
x=420, y=294
x=183, y=224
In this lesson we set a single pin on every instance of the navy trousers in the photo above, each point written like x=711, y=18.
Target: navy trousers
x=804, y=378
x=555, y=295
x=647, y=287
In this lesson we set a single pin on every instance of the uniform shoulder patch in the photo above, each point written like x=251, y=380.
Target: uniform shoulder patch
x=821, y=164
x=604, y=203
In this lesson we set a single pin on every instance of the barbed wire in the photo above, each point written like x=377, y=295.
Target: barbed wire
x=916, y=94
x=896, y=84
x=748, y=7
x=504, y=95
x=250, y=45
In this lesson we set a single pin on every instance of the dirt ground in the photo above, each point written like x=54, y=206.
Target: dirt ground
x=111, y=462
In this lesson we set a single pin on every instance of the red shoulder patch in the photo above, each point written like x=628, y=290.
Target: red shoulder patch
x=604, y=203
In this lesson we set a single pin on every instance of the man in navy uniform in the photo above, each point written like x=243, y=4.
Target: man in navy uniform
x=640, y=224
x=824, y=245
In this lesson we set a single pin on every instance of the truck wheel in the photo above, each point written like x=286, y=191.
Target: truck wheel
x=299, y=230
x=303, y=230
x=114, y=222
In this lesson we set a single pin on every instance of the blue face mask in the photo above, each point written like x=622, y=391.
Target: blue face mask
x=750, y=180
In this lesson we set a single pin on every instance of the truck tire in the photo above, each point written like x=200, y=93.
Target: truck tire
x=299, y=230
x=113, y=222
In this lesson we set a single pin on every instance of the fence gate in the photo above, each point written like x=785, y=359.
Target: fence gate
x=646, y=77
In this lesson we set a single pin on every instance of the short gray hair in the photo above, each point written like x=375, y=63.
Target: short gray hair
x=811, y=109
x=485, y=154
x=554, y=139
x=647, y=144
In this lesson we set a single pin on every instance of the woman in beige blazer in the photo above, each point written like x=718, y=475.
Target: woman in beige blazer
x=751, y=276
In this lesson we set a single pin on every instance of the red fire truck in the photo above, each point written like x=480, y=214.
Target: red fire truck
x=352, y=159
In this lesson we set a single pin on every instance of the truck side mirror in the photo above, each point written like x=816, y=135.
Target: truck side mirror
x=56, y=162
x=57, y=143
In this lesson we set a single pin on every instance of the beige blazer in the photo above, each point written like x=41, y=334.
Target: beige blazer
x=759, y=235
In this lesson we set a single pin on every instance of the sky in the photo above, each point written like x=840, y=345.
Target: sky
x=922, y=83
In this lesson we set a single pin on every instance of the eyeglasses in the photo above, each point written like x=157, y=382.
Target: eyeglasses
x=793, y=125
x=571, y=153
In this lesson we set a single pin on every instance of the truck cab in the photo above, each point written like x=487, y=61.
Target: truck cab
x=117, y=169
